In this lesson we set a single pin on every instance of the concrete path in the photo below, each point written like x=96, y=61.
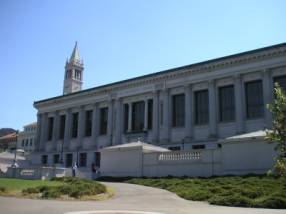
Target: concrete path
x=128, y=197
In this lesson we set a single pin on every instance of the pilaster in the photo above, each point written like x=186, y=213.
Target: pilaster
x=155, y=122
x=166, y=116
x=67, y=135
x=55, y=129
x=239, y=115
x=95, y=122
x=110, y=122
x=44, y=131
x=188, y=113
x=81, y=125
x=267, y=96
x=146, y=115
x=129, y=117
x=212, y=110
x=119, y=123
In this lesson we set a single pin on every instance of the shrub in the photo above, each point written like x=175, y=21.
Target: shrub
x=275, y=201
x=3, y=189
x=30, y=190
x=245, y=191
x=231, y=200
x=73, y=187
x=51, y=193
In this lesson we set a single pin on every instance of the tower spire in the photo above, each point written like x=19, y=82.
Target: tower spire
x=75, y=57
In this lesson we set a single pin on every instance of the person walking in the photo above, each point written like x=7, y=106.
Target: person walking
x=74, y=168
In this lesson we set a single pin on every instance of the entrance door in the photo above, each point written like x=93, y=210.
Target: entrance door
x=97, y=159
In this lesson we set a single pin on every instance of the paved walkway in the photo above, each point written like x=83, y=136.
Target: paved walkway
x=128, y=197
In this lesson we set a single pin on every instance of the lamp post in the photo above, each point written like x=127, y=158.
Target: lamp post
x=15, y=155
x=62, y=153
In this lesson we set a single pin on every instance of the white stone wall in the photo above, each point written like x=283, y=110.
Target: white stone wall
x=236, y=158
x=121, y=163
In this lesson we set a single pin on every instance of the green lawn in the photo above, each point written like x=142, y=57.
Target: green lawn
x=19, y=184
x=248, y=191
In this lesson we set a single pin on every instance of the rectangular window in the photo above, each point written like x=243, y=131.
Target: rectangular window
x=254, y=99
x=281, y=81
x=103, y=121
x=88, y=123
x=201, y=107
x=27, y=142
x=56, y=158
x=150, y=114
x=68, y=160
x=44, y=159
x=74, y=124
x=97, y=159
x=82, y=159
x=161, y=113
x=62, y=126
x=138, y=116
x=174, y=148
x=50, y=128
x=23, y=143
x=126, y=117
x=226, y=103
x=178, y=110
x=31, y=142
x=202, y=146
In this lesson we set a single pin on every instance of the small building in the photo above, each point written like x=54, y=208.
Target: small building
x=126, y=159
x=8, y=141
x=27, y=138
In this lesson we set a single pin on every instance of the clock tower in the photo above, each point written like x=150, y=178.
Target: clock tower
x=73, y=78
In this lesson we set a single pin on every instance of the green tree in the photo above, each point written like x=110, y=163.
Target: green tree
x=278, y=133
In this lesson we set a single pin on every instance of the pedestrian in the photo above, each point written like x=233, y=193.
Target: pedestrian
x=74, y=168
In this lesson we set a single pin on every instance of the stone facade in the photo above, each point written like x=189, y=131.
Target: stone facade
x=27, y=138
x=144, y=108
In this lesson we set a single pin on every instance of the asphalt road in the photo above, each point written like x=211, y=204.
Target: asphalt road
x=128, y=197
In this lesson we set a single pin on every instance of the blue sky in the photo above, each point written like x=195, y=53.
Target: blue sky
x=119, y=40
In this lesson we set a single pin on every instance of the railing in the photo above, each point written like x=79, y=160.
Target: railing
x=177, y=156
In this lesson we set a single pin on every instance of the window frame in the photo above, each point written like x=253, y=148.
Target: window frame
x=88, y=123
x=103, y=120
x=199, y=119
x=223, y=109
x=255, y=113
x=74, y=129
x=178, y=110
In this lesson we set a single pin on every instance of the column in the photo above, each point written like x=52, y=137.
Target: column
x=110, y=121
x=188, y=112
x=212, y=110
x=81, y=126
x=67, y=135
x=146, y=115
x=155, y=122
x=39, y=129
x=267, y=97
x=55, y=129
x=129, y=117
x=118, y=123
x=239, y=116
x=44, y=131
x=95, y=122
x=166, y=116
